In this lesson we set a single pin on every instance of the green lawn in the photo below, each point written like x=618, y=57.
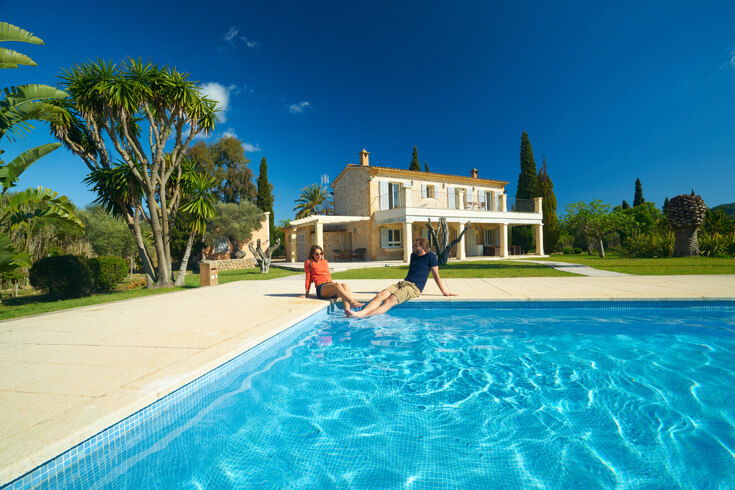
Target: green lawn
x=32, y=303
x=489, y=268
x=653, y=267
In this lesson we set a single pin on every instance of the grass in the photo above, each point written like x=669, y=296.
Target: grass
x=653, y=267
x=489, y=268
x=31, y=302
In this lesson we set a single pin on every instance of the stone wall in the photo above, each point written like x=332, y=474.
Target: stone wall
x=233, y=264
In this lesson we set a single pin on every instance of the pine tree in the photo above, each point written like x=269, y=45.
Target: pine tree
x=625, y=204
x=265, y=196
x=638, y=199
x=523, y=235
x=415, y=165
x=545, y=190
x=426, y=166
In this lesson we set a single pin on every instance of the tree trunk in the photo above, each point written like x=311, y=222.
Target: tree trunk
x=600, y=248
x=263, y=258
x=181, y=278
x=441, y=238
x=686, y=244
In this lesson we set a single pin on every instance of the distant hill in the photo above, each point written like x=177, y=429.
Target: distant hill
x=729, y=209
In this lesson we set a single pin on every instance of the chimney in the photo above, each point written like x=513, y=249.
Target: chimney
x=473, y=173
x=364, y=160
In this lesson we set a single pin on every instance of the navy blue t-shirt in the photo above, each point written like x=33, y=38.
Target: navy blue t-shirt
x=419, y=268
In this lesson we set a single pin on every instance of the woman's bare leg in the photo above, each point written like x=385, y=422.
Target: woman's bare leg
x=343, y=292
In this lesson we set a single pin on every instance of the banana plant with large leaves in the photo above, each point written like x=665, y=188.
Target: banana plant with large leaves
x=10, y=58
x=19, y=106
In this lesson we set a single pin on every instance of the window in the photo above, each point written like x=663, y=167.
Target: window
x=390, y=238
x=395, y=195
x=490, y=237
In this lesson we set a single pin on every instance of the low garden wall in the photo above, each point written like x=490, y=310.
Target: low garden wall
x=233, y=264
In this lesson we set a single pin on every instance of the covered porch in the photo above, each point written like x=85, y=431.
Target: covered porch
x=483, y=239
x=343, y=238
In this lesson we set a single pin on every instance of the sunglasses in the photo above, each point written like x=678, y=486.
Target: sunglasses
x=318, y=253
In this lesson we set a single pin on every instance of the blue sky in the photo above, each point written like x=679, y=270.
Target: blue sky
x=609, y=92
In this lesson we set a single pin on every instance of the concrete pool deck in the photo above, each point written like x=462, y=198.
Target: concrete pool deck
x=68, y=375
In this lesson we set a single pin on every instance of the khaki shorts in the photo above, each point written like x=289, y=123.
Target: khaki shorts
x=404, y=290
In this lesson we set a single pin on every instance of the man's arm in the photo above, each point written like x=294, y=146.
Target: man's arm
x=440, y=283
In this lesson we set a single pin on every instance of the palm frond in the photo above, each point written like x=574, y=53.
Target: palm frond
x=37, y=203
x=9, y=173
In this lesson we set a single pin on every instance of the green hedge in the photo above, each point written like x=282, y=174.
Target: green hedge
x=62, y=276
x=108, y=272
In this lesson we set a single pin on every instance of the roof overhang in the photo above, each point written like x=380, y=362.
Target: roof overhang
x=327, y=220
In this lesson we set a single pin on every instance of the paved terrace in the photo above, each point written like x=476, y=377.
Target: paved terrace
x=66, y=376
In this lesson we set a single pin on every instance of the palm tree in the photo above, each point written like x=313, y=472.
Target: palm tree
x=314, y=199
x=135, y=110
x=198, y=208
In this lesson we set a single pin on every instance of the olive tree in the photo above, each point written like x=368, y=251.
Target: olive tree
x=596, y=220
x=145, y=116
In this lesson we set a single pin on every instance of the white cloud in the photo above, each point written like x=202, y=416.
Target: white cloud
x=249, y=43
x=250, y=148
x=220, y=94
x=232, y=33
x=732, y=59
x=299, y=108
x=230, y=133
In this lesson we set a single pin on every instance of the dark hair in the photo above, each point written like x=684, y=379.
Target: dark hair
x=314, y=248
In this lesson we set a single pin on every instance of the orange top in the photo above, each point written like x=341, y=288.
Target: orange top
x=316, y=272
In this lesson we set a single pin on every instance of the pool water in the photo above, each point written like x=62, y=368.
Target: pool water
x=446, y=395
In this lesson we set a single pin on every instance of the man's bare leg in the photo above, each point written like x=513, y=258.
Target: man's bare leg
x=382, y=302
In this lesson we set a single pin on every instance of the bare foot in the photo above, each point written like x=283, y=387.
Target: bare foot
x=353, y=314
x=357, y=304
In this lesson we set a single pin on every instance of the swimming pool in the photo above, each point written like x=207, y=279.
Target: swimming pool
x=459, y=395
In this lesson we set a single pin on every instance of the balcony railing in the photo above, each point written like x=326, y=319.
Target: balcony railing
x=443, y=200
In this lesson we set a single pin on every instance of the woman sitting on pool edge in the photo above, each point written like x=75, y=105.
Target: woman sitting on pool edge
x=317, y=271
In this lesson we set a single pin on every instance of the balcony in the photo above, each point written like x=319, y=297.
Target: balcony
x=493, y=208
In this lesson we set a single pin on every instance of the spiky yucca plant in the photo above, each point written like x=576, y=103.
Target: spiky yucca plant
x=685, y=214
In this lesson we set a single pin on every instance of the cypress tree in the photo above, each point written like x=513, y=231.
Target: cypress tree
x=625, y=204
x=665, y=207
x=265, y=196
x=415, y=165
x=527, y=177
x=545, y=189
x=426, y=166
x=526, y=190
x=638, y=199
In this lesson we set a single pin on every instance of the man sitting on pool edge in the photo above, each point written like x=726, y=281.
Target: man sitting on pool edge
x=422, y=262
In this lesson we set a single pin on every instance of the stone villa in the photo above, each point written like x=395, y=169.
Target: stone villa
x=379, y=210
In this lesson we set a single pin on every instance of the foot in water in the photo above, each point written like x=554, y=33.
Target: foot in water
x=353, y=314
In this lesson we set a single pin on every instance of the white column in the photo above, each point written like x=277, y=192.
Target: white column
x=319, y=234
x=539, y=238
x=461, y=251
x=292, y=239
x=537, y=205
x=503, y=237
x=407, y=241
x=503, y=203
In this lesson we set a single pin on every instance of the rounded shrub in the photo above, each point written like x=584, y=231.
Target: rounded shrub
x=577, y=250
x=107, y=272
x=62, y=276
x=568, y=250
